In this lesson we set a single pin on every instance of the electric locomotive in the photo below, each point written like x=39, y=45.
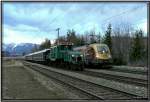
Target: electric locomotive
x=95, y=54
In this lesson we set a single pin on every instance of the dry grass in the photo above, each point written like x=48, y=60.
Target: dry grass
x=18, y=83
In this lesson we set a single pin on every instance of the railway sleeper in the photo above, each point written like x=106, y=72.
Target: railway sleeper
x=75, y=67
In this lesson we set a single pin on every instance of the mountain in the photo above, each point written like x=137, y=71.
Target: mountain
x=18, y=49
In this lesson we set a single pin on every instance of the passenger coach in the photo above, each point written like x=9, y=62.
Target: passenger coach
x=39, y=57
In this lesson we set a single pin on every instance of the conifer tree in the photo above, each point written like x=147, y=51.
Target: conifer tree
x=45, y=44
x=35, y=48
x=107, y=37
x=137, y=47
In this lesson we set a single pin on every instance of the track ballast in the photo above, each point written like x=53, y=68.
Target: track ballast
x=94, y=90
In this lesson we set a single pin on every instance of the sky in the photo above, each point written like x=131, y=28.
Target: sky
x=32, y=22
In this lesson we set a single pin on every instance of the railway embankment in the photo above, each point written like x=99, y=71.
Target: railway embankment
x=120, y=74
x=59, y=88
x=19, y=83
x=127, y=88
x=130, y=69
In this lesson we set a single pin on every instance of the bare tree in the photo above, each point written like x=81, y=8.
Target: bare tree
x=121, y=42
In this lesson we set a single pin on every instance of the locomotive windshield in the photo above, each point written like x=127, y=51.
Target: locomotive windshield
x=102, y=49
x=66, y=47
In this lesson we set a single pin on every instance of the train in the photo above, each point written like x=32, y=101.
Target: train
x=75, y=58
x=96, y=54
x=61, y=55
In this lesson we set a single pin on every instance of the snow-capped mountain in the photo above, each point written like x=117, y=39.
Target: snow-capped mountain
x=18, y=49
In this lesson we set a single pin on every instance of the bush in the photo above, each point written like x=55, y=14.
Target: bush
x=141, y=63
x=119, y=61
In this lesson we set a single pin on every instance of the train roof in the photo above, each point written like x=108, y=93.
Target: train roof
x=65, y=43
x=80, y=47
x=102, y=44
x=62, y=43
x=85, y=46
x=42, y=51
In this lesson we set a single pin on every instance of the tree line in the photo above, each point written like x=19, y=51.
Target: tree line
x=44, y=45
x=127, y=46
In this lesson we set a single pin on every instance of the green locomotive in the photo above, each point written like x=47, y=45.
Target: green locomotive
x=61, y=55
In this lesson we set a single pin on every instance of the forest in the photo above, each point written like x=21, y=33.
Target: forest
x=128, y=46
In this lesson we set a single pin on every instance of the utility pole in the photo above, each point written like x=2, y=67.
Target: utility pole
x=99, y=37
x=58, y=34
x=92, y=37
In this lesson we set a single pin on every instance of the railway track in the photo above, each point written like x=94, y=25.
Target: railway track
x=133, y=71
x=119, y=78
x=81, y=93
x=94, y=90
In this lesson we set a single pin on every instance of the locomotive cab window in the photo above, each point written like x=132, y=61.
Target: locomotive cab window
x=79, y=59
x=65, y=47
x=102, y=49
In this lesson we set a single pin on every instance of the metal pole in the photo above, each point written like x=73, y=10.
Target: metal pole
x=92, y=37
x=58, y=34
x=99, y=37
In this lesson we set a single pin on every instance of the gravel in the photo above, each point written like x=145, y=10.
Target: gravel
x=89, y=87
x=140, y=91
x=131, y=75
x=52, y=85
x=140, y=69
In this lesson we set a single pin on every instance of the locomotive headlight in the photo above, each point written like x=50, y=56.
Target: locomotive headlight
x=97, y=56
x=109, y=56
x=103, y=51
x=72, y=55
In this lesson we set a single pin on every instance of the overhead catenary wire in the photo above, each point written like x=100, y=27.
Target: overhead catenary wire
x=122, y=13
x=107, y=19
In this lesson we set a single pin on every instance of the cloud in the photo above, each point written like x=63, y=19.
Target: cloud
x=26, y=15
x=22, y=27
x=143, y=26
x=24, y=34
x=33, y=22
